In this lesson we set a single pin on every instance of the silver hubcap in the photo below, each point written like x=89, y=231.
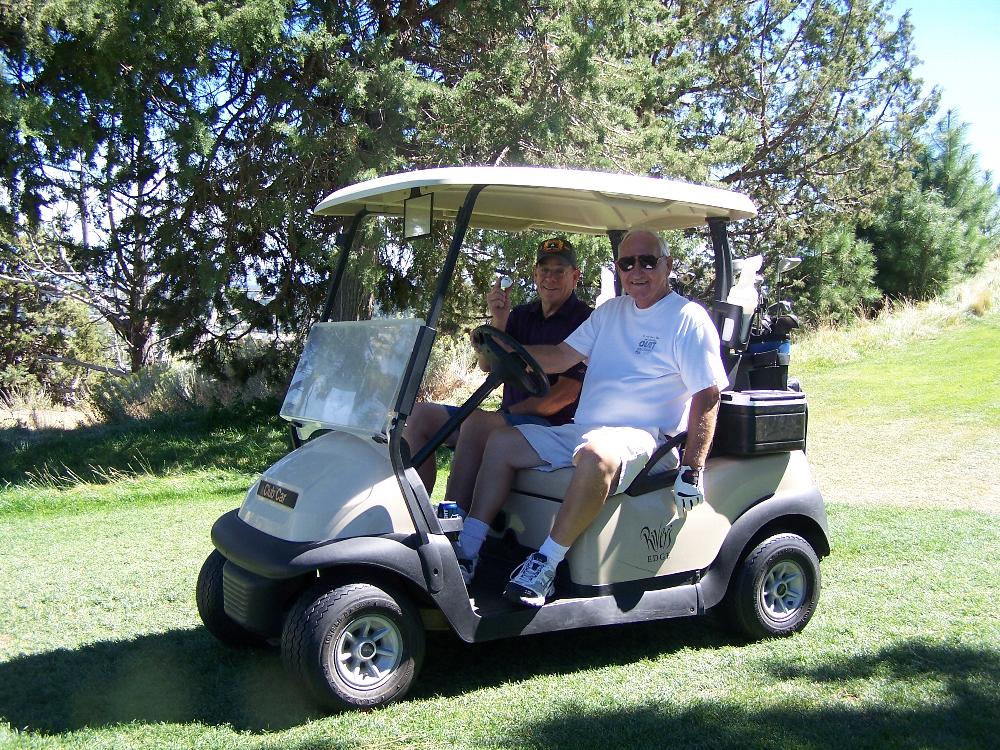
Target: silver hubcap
x=783, y=590
x=368, y=652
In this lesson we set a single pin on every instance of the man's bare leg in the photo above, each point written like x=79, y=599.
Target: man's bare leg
x=533, y=582
x=469, y=450
x=426, y=419
x=595, y=473
x=507, y=451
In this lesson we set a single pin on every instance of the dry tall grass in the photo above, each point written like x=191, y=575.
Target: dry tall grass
x=31, y=407
x=452, y=373
x=900, y=322
x=165, y=389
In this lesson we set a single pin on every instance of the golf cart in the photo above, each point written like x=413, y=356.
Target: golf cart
x=337, y=551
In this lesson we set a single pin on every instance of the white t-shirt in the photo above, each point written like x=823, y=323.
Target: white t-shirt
x=644, y=365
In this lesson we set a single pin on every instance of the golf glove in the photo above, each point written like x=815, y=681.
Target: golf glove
x=688, y=490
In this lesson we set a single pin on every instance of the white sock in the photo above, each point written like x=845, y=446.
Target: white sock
x=470, y=541
x=553, y=551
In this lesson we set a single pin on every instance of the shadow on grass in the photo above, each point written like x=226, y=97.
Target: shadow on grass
x=181, y=676
x=245, y=437
x=186, y=677
x=955, y=690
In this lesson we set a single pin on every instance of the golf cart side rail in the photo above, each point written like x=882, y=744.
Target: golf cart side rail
x=277, y=559
x=268, y=564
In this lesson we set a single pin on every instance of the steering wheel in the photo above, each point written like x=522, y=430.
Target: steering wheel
x=509, y=360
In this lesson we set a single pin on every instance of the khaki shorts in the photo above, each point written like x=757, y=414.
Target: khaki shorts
x=557, y=446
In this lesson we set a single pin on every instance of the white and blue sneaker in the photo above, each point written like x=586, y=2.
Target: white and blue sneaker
x=532, y=582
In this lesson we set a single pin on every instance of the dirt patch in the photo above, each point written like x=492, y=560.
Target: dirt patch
x=907, y=463
x=42, y=419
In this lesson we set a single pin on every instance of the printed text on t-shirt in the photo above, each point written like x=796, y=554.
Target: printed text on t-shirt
x=647, y=345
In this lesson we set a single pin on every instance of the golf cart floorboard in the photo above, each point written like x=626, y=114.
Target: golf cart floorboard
x=500, y=618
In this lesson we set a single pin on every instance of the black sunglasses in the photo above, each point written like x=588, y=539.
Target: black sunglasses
x=627, y=262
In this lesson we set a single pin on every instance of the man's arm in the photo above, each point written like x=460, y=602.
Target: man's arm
x=498, y=304
x=556, y=357
x=701, y=426
x=562, y=393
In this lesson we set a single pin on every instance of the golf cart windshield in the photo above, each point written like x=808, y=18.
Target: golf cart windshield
x=349, y=376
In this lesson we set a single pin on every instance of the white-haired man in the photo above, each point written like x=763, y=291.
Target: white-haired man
x=654, y=369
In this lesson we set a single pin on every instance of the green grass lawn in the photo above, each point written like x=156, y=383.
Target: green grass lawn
x=101, y=646
x=912, y=426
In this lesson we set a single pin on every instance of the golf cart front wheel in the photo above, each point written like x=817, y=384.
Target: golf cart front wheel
x=209, y=598
x=355, y=646
x=776, y=588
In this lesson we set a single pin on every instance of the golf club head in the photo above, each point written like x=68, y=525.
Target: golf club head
x=781, y=307
x=787, y=264
x=784, y=324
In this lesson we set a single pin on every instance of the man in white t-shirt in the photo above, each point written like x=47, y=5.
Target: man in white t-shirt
x=654, y=368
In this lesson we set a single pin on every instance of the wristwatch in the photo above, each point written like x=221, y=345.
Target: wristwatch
x=690, y=474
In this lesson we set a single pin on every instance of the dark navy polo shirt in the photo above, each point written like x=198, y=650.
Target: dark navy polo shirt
x=529, y=326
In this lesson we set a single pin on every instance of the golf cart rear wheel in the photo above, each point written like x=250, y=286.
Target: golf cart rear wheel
x=209, y=598
x=776, y=587
x=356, y=646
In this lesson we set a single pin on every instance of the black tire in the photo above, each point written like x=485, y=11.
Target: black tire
x=356, y=646
x=775, y=589
x=210, y=606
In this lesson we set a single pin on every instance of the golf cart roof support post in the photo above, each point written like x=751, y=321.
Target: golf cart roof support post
x=422, y=350
x=346, y=242
x=723, y=258
x=461, y=226
x=616, y=236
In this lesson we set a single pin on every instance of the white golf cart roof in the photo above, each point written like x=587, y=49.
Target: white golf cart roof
x=546, y=199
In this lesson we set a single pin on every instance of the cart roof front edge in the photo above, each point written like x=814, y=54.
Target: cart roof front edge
x=546, y=199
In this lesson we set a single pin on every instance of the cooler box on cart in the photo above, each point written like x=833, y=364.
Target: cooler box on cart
x=761, y=421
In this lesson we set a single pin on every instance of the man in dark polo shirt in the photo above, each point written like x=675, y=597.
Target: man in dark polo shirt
x=548, y=320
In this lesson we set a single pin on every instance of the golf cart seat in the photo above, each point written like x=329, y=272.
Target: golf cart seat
x=656, y=474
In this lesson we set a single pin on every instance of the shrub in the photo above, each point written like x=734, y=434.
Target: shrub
x=165, y=389
x=452, y=372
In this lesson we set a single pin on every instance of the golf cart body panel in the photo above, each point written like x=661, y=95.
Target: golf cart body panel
x=346, y=509
x=798, y=512
x=341, y=484
x=642, y=537
x=543, y=199
x=336, y=486
x=264, y=572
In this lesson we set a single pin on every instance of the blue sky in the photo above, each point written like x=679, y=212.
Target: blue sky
x=959, y=42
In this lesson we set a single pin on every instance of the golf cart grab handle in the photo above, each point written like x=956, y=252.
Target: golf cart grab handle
x=646, y=482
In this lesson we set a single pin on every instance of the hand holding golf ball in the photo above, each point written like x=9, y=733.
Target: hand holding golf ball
x=498, y=299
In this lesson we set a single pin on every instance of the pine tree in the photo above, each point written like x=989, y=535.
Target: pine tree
x=940, y=227
x=836, y=277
